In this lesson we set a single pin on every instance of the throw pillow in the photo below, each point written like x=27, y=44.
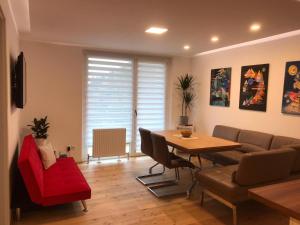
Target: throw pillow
x=47, y=154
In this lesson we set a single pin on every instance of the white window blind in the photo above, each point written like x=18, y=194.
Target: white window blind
x=109, y=96
x=151, y=84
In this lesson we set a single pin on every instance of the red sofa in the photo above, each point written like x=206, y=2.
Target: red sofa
x=62, y=183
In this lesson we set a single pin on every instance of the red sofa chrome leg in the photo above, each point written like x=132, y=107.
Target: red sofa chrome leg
x=84, y=206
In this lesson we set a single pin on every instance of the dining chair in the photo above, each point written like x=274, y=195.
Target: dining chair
x=169, y=160
x=147, y=149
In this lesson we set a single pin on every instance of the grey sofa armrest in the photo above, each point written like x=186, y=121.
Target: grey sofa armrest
x=296, y=165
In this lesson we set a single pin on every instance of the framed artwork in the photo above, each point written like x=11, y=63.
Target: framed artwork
x=220, y=87
x=291, y=89
x=254, y=87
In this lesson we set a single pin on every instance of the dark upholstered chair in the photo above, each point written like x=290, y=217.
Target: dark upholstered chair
x=168, y=159
x=147, y=149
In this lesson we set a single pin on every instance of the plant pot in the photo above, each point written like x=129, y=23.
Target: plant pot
x=184, y=120
x=40, y=141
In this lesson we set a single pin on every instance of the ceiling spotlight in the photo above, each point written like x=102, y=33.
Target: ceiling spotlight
x=255, y=27
x=156, y=30
x=214, y=39
x=186, y=47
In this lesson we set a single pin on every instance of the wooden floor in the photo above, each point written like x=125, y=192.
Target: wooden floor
x=117, y=198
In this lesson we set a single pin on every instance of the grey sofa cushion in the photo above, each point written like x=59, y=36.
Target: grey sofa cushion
x=225, y=132
x=253, y=170
x=255, y=138
x=280, y=141
x=246, y=148
x=228, y=157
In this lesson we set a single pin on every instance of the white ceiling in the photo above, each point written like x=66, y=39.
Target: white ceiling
x=119, y=25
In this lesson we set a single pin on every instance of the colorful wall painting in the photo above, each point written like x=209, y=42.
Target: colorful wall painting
x=220, y=87
x=254, y=87
x=291, y=89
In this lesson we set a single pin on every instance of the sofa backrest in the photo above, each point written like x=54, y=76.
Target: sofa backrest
x=296, y=166
x=262, y=167
x=31, y=168
x=255, y=138
x=281, y=141
x=225, y=132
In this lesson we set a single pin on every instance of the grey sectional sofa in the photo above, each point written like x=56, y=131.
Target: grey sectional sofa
x=252, y=141
x=261, y=160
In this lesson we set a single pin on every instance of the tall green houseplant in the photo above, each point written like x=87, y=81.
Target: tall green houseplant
x=185, y=86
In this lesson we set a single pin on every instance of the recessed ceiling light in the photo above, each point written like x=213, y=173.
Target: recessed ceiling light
x=214, y=39
x=156, y=30
x=255, y=27
x=186, y=47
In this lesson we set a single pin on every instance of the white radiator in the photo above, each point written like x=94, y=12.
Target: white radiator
x=109, y=142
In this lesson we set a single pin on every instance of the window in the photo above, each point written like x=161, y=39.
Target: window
x=109, y=96
x=124, y=92
x=150, y=97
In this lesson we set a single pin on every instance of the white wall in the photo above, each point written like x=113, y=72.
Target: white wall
x=276, y=53
x=9, y=114
x=55, y=88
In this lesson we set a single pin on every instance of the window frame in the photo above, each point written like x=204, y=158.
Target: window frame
x=135, y=59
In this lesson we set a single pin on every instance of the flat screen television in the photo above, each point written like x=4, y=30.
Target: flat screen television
x=20, y=81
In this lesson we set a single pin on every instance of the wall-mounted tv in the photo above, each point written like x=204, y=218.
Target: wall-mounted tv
x=20, y=81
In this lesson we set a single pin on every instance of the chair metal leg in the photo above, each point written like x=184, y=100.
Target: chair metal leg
x=140, y=178
x=199, y=159
x=177, y=174
x=84, y=206
x=168, y=182
x=150, y=169
x=88, y=159
x=154, y=189
x=18, y=214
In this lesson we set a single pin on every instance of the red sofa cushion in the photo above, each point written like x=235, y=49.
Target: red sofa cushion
x=31, y=169
x=61, y=183
x=64, y=182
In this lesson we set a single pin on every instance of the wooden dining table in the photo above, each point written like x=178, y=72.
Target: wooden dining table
x=195, y=145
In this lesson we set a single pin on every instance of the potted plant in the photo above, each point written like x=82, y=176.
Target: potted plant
x=185, y=86
x=39, y=129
